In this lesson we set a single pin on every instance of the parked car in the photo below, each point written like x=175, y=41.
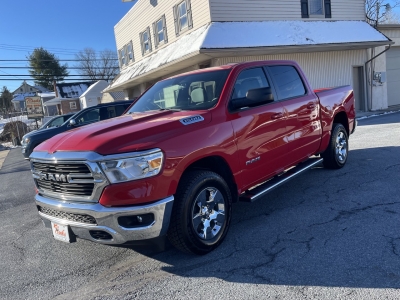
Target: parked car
x=188, y=148
x=56, y=121
x=86, y=116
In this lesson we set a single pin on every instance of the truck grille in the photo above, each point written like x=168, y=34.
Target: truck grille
x=67, y=216
x=61, y=187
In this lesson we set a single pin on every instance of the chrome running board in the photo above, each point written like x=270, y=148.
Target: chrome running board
x=260, y=190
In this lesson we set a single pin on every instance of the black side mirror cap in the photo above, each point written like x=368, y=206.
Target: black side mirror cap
x=253, y=98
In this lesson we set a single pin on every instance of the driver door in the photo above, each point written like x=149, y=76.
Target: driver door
x=259, y=131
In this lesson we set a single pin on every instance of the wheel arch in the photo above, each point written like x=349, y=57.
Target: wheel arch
x=341, y=117
x=216, y=164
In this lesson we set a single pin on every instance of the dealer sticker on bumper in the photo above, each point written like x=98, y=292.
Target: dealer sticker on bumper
x=60, y=232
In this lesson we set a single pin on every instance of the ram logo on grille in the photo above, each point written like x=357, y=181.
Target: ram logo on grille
x=50, y=177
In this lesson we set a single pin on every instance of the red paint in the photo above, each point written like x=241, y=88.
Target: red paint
x=274, y=136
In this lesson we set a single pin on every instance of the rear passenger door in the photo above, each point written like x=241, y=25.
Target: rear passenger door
x=301, y=109
x=258, y=130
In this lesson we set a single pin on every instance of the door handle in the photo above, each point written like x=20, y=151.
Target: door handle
x=310, y=105
x=277, y=116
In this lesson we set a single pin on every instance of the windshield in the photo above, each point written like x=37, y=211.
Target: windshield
x=188, y=92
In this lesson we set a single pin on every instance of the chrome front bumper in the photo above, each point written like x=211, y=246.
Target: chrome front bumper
x=107, y=219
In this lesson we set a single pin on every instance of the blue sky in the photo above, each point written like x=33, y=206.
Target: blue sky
x=61, y=27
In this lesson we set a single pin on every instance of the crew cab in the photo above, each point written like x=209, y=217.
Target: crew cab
x=187, y=149
x=86, y=116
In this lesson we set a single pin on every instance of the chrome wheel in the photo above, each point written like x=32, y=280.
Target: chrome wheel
x=341, y=147
x=208, y=213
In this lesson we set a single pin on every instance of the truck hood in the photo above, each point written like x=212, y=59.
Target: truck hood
x=128, y=133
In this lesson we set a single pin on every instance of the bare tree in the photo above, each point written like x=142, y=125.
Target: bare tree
x=381, y=11
x=97, y=65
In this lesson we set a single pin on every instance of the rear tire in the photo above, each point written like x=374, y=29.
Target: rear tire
x=335, y=156
x=201, y=214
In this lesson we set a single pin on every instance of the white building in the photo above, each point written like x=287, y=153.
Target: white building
x=328, y=38
x=92, y=96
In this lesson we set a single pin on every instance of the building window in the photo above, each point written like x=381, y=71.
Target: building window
x=72, y=105
x=183, y=16
x=145, y=41
x=122, y=57
x=316, y=8
x=160, y=31
x=129, y=50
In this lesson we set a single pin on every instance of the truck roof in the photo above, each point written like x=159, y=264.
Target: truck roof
x=235, y=65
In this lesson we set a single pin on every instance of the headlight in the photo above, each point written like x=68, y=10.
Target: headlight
x=26, y=140
x=127, y=169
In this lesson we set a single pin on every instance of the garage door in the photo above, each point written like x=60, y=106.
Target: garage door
x=393, y=75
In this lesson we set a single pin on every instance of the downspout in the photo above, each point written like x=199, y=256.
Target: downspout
x=369, y=103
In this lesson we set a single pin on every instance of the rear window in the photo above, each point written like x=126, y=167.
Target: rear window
x=188, y=92
x=288, y=81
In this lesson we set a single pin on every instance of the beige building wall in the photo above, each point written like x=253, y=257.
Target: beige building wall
x=145, y=12
x=323, y=69
x=261, y=10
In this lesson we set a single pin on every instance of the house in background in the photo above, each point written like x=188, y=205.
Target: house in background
x=25, y=90
x=67, y=96
x=92, y=96
x=112, y=97
x=328, y=38
x=48, y=110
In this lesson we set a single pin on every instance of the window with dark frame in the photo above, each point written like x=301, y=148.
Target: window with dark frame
x=122, y=57
x=129, y=50
x=145, y=41
x=72, y=105
x=247, y=80
x=182, y=16
x=160, y=32
x=316, y=8
x=146, y=45
x=287, y=81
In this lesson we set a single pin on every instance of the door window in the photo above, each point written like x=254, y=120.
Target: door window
x=288, y=81
x=248, y=80
x=89, y=116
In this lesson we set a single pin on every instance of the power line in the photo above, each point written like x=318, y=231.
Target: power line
x=27, y=60
x=44, y=75
x=70, y=68
x=65, y=79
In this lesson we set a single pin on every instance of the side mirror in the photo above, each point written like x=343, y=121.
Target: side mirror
x=72, y=122
x=253, y=98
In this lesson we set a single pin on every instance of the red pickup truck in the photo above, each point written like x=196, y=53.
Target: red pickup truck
x=188, y=148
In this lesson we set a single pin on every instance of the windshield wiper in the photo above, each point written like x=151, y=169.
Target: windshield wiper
x=171, y=109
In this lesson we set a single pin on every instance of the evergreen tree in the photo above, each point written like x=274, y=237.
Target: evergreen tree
x=5, y=99
x=45, y=68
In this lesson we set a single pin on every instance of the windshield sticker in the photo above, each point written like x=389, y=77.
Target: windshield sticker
x=191, y=120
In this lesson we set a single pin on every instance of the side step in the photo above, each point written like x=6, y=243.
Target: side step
x=260, y=190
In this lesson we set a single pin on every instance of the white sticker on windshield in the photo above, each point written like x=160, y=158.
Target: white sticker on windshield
x=191, y=120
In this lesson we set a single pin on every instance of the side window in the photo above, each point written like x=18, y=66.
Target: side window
x=56, y=122
x=119, y=109
x=288, y=81
x=89, y=116
x=249, y=80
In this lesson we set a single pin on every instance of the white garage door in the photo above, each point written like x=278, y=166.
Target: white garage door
x=393, y=75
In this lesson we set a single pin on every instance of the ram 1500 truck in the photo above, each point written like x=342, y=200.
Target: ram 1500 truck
x=188, y=148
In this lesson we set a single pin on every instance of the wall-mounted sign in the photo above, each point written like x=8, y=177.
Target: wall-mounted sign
x=34, y=107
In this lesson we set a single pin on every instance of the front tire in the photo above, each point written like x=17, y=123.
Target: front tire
x=201, y=213
x=335, y=156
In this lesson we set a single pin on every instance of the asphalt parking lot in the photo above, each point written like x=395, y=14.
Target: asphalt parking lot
x=324, y=235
